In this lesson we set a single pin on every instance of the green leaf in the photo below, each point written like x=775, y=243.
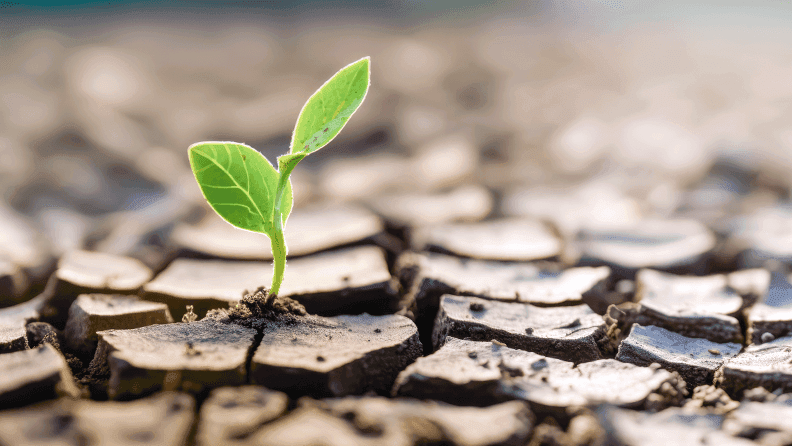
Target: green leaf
x=329, y=109
x=239, y=184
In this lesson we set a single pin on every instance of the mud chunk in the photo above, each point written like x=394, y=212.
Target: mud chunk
x=433, y=275
x=341, y=225
x=403, y=210
x=34, y=375
x=84, y=272
x=407, y=422
x=670, y=427
x=676, y=246
x=711, y=398
x=568, y=333
x=699, y=307
x=356, y=359
x=768, y=365
x=506, y=239
x=761, y=236
x=204, y=284
x=429, y=276
x=164, y=419
x=13, y=283
x=232, y=414
x=13, y=321
x=692, y=358
x=25, y=258
x=91, y=313
x=765, y=418
x=548, y=384
x=310, y=425
x=144, y=360
x=771, y=317
x=348, y=281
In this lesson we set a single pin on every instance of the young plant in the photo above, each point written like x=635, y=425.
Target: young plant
x=246, y=190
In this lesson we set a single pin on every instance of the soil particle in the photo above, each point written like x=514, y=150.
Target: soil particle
x=569, y=333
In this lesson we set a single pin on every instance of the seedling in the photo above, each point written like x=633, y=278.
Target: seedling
x=246, y=190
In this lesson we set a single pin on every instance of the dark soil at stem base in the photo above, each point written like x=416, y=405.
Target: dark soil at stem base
x=257, y=308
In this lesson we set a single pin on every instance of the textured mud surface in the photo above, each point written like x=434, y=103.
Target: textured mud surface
x=526, y=236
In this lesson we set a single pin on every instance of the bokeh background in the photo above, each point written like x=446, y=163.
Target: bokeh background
x=589, y=112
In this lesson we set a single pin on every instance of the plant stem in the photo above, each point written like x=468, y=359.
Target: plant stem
x=286, y=164
x=277, y=241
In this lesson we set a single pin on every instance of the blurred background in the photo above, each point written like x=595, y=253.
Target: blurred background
x=596, y=112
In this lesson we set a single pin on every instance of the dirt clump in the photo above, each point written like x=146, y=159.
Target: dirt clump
x=257, y=308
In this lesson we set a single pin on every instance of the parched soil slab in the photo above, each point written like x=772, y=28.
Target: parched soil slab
x=468, y=203
x=232, y=414
x=336, y=356
x=673, y=426
x=84, y=272
x=767, y=365
x=205, y=284
x=569, y=333
x=33, y=375
x=13, y=321
x=771, y=317
x=482, y=373
x=505, y=239
x=761, y=236
x=193, y=357
x=13, y=283
x=164, y=419
x=695, y=359
x=407, y=421
x=24, y=251
x=91, y=313
x=698, y=307
x=429, y=276
x=348, y=281
x=765, y=419
x=676, y=246
x=309, y=230
x=309, y=426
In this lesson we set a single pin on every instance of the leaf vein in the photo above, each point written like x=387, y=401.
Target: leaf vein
x=237, y=185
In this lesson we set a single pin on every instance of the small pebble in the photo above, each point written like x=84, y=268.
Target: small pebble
x=714, y=351
x=476, y=306
x=767, y=337
x=497, y=342
x=529, y=330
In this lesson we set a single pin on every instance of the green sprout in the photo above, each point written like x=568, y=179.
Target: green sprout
x=246, y=190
